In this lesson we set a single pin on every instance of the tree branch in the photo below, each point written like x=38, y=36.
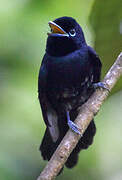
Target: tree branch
x=86, y=113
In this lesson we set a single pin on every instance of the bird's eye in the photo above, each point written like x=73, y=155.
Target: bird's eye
x=72, y=32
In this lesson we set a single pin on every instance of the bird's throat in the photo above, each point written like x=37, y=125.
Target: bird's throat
x=60, y=46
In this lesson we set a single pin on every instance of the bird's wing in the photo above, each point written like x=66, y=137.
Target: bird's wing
x=96, y=64
x=49, y=114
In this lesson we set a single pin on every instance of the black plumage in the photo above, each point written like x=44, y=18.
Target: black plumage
x=66, y=80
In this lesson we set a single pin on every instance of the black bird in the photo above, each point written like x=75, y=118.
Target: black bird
x=69, y=73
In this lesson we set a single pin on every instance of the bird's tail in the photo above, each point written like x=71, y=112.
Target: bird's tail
x=48, y=147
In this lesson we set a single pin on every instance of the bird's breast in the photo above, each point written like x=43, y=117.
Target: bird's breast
x=70, y=96
x=68, y=81
x=65, y=75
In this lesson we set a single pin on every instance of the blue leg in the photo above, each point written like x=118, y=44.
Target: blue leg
x=72, y=125
x=100, y=85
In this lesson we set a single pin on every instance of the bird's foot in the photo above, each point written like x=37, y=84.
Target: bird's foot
x=72, y=125
x=100, y=85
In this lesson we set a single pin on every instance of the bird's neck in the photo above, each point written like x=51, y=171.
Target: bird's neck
x=57, y=46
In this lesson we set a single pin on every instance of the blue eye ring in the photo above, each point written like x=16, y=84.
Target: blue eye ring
x=72, y=32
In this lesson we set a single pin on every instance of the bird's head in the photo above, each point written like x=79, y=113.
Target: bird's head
x=65, y=37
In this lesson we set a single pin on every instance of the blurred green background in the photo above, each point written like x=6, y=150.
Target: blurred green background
x=23, y=33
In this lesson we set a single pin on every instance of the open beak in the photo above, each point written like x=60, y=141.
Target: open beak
x=56, y=30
